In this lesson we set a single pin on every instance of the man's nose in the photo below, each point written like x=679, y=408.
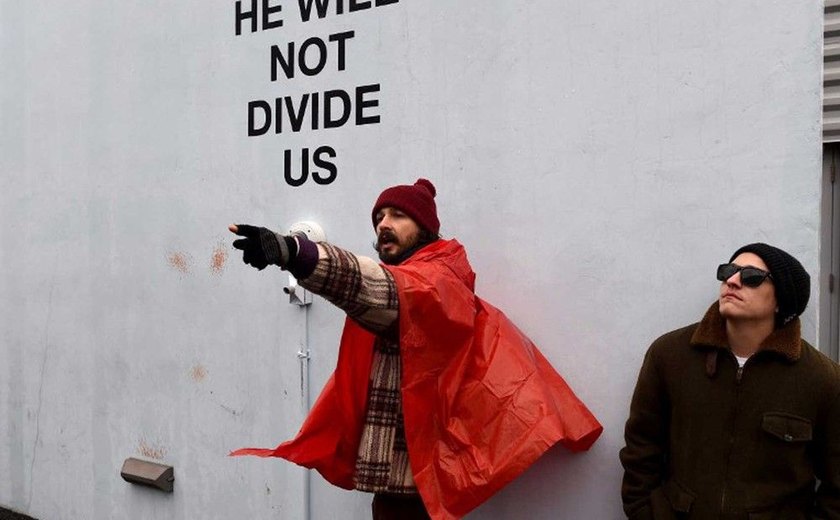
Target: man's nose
x=385, y=223
x=734, y=280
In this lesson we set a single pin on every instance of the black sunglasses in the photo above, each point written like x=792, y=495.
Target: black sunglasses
x=750, y=276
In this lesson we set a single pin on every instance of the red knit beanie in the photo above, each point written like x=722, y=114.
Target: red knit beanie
x=416, y=201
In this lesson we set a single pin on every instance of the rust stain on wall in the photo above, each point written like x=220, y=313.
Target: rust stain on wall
x=180, y=262
x=152, y=452
x=220, y=256
x=198, y=373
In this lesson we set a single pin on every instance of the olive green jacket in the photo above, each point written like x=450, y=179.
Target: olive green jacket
x=706, y=439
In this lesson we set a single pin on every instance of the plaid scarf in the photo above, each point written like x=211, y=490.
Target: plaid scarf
x=368, y=294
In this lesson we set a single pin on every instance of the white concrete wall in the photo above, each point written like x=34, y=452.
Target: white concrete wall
x=598, y=160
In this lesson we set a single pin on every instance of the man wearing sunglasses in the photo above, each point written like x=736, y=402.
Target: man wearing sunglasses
x=737, y=417
x=437, y=400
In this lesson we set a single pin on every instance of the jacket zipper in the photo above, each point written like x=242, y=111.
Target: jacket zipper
x=739, y=374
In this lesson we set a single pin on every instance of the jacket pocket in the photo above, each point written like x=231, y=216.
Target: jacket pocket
x=785, y=512
x=787, y=427
x=671, y=501
x=780, y=515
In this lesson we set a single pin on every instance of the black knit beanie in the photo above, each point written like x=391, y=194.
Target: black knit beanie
x=792, y=283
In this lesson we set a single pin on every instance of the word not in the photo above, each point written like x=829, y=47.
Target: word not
x=321, y=110
x=287, y=61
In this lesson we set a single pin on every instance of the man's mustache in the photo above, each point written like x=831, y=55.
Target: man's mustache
x=386, y=236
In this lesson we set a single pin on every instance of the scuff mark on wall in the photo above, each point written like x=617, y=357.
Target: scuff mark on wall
x=181, y=262
x=47, y=323
x=228, y=409
x=152, y=452
x=219, y=259
x=198, y=373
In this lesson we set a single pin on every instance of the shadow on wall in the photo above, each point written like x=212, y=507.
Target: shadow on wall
x=5, y=514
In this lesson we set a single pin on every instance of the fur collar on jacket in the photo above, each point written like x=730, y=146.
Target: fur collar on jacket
x=711, y=332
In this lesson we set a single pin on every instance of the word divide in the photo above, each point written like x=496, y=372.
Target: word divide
x=268, y=14
x=328, y=109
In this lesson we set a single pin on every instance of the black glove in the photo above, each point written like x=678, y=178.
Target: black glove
x=262, y=246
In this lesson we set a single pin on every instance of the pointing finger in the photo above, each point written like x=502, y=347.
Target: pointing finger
x=241, y=244
x=247, y=231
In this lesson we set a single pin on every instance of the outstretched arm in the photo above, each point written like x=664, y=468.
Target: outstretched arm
x=358, y=285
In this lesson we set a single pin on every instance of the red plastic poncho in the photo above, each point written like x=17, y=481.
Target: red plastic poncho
x=480, y=402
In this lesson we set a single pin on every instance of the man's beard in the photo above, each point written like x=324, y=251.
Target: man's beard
x=403, y=247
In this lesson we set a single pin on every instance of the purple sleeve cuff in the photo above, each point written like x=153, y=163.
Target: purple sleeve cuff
x=306, y=260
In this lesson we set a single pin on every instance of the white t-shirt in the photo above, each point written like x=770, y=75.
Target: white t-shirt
x=742, y=360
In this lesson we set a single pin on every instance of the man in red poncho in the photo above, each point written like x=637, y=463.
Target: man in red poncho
x=437, y=400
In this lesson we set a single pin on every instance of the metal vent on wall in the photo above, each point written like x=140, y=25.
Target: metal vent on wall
x=831, y=72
